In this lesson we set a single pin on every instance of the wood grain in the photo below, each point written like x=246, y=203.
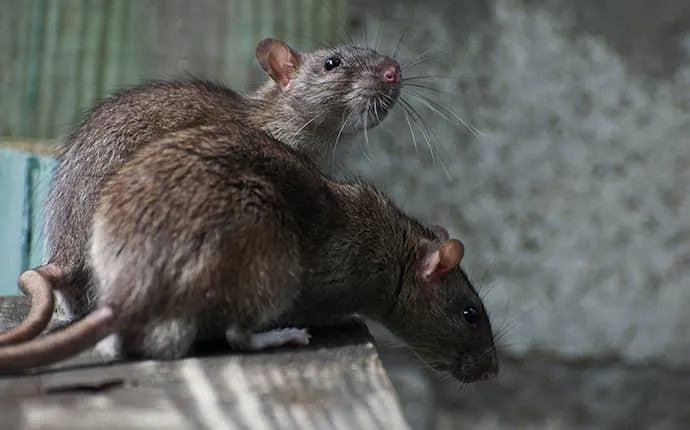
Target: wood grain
x=336, y=383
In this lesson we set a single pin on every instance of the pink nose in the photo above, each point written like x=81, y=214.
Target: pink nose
x=391, y=72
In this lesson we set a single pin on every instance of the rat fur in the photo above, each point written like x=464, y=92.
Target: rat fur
x=224, y=231
x=310, y=101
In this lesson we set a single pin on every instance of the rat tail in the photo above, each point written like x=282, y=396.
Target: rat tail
x=60, y=345
x=37, y=283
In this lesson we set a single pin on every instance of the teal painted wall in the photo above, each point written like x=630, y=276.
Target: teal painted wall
x=57, y=57
x=24, y=181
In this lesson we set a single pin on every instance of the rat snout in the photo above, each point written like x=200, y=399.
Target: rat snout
x=390, y=71
x=478, y=367
x=491, y=370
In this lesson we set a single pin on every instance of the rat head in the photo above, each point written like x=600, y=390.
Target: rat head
x=440, y=315
x=342, y=90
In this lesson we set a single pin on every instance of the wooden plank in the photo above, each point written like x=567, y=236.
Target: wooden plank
x=13, y=226
x=336, y=383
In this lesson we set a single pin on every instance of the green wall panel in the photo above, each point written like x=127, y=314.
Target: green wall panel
x=57, y=57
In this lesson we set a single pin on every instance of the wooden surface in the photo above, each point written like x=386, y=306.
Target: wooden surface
x=336, y=383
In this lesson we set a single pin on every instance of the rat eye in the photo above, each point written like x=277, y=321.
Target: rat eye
x=471, y=315
x=331, y=63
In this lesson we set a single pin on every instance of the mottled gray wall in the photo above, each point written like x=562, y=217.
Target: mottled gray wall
x=573, y=200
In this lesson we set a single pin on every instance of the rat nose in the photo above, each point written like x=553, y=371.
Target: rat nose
x=391, y=71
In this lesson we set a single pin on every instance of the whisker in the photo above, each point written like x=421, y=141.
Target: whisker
x=376, y=111
x=425, y=87
x=366, y=131
x=377, y=42
x=420, y=77
x=396, y=51
x=426, y=134
x=486, y=273
x=426, y=57
x=409, y=125
x=366, y=31
x=485, y=290
x=340, y=132
x=417, y=117
x=306, y=124
x=444, y=112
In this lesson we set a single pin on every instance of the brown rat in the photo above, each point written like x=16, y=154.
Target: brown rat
x=310, y=102
x=249, y=236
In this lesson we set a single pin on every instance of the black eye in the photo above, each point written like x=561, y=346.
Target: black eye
x=331, y=63
x=471, y=315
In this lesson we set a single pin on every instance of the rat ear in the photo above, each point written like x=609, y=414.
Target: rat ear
x=442, y=260
x=441, y=232
x=278, y=60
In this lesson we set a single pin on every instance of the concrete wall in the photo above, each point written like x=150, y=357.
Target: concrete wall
x=573, y=200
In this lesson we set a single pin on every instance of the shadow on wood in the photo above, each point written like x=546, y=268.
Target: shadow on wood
x=336, y=383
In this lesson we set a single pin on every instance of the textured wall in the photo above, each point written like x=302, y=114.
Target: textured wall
x=573, y=201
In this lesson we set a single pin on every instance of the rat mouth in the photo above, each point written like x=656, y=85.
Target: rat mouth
x=466, y=378
x=455, y=370
x=378, y=106
x=369, y=107
x=470, y=372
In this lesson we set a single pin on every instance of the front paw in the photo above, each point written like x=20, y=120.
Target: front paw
x=109, y=348
x=272, y=338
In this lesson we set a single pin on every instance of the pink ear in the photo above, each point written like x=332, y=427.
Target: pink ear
x=278, y=60
x=441, y=232
x=442, y=260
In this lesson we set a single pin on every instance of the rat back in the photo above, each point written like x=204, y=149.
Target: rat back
x=209, y=223
x=109, y=135
x=310, y=101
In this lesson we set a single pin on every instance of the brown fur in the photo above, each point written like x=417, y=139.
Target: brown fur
x=307, y=114
x=224, y=222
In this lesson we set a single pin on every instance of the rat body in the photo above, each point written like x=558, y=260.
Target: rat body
x=224, y=231
x=310, y=101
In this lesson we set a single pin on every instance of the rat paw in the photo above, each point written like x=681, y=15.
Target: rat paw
x=273, y=338
x=62, y=310
x=279, y=337
x=110, y=348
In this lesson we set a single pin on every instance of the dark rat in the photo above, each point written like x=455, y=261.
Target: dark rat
x=250, y=239
x=310, y=101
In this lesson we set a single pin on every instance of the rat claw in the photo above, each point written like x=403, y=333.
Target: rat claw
x=279, y=337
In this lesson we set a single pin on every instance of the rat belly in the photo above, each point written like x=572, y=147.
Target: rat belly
x=165, y=296
x=172, y=344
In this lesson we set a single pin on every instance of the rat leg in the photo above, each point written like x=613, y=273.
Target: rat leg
x=109, y=348
x=279, y=337
x=161, y=340
x=63, y=310
x=268, y=339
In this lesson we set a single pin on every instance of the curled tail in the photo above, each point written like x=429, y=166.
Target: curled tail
x=60, y=345
x=37, y=283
